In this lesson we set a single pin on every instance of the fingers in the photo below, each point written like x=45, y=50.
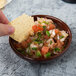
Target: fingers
x=6, y=29
x=3, y=19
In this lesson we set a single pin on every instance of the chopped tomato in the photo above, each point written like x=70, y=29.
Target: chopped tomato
x=51, y=26
x=37, y=28
x=44, y=50
x=56, y=31
x=39, y=25
x=60, y=44
x=46, y=37
x=34, y=28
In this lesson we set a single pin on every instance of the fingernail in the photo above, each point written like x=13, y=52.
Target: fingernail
x=11, y=30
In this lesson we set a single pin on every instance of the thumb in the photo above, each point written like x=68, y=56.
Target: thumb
x=6, y=29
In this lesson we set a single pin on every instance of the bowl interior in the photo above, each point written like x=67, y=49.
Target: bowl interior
x=60, y=24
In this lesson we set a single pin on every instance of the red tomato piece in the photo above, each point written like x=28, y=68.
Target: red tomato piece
x=34, y=28
x=39, y=25
x=44, y=50
x=56, y=31
x=39, y=28
x=52, y=26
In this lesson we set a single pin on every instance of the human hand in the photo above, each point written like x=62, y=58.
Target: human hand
x=5, y=29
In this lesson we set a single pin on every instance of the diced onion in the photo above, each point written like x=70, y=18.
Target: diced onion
x=50, y=31
x=36, y=22
x=43, y=24
x=32, y=45
x=41, y=45
x=64, y=34
x=53, y=33
x=58, y=37
x=62, y=39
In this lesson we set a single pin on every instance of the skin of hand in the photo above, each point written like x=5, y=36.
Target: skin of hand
x=5, y=29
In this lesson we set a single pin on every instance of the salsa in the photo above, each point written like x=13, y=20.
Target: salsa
x=46, y=41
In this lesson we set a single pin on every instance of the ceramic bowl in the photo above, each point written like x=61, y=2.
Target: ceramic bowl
x=60, y=24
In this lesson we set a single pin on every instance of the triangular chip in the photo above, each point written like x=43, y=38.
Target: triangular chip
x=23, y=27
x=2, y=3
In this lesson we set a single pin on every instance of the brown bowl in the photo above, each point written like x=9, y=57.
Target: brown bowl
x=59, y=24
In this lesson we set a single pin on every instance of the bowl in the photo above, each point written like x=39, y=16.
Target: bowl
x=60, y=24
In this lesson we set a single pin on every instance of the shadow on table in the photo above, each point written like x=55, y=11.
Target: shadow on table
x=12, y=65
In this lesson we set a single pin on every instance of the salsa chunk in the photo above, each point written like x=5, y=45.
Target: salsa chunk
x=47, y=40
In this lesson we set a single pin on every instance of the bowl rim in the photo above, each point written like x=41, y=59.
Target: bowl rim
x=47, y=59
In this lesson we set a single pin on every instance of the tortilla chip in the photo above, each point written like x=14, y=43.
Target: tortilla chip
x=2, y=3
x=23, y=27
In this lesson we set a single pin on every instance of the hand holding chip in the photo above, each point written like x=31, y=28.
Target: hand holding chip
x=5, y=29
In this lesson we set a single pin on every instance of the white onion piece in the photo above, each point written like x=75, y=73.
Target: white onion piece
x=53, y=33
x=58, y=37
x=50, y=31
x=33, y=45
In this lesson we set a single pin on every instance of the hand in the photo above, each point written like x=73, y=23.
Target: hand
x=5, y=29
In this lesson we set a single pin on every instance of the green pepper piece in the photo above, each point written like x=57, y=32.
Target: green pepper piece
x=57, y=49
x=38, y=54
x=47, y=55
x=46, y=22
x=61, y=37
x=51, y=42
x=38, y=41
x=44, y=27
x=47, y=33
x=39, y=22
x=34, y=48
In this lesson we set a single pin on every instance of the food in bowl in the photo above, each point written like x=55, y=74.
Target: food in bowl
x=46, y=41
